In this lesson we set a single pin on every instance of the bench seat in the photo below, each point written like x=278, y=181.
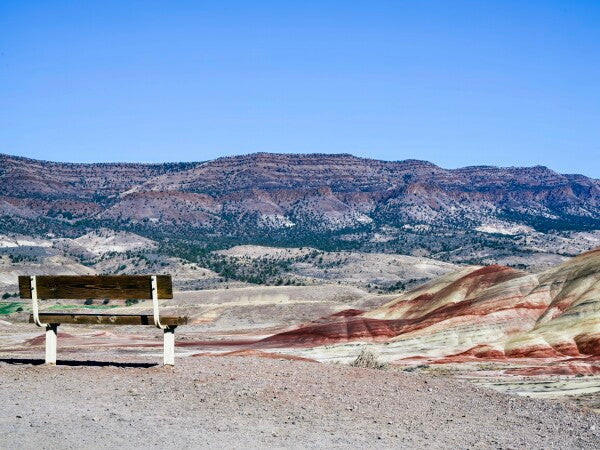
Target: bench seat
x=108, y=319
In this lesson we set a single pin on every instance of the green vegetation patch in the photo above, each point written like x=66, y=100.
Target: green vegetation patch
x=9, y=308
x=59, y=307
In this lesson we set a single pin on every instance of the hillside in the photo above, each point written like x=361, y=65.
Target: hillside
x=523, y=217
x=475, y=314
x=107, y=251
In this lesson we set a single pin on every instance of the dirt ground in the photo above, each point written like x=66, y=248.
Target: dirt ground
x=250, y=402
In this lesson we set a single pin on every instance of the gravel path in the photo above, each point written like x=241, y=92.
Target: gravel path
x=242, y=402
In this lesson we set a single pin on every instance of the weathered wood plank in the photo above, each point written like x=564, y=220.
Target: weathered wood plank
x=97, y=286
x=109, y=319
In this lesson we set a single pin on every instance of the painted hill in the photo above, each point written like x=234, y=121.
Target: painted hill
x=483, y=312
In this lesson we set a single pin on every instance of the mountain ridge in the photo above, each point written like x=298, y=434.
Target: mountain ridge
x=9, y=156
x=339, y=200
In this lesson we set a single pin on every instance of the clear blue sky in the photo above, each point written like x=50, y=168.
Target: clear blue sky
x=454, y=82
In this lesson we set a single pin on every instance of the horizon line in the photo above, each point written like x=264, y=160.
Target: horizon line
x=288, y=154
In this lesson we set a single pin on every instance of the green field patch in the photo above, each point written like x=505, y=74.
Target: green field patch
x=9, y=308
x=59, y=307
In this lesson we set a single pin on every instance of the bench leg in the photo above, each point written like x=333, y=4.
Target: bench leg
x=169, y=346
x=51, y=332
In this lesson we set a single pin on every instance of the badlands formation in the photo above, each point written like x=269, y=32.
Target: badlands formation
x=478, y=313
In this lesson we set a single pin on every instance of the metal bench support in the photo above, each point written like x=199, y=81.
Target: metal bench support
x=169, y=346
x=51, y=334
x=34, y=302
x=51, y=328
x=169, y=332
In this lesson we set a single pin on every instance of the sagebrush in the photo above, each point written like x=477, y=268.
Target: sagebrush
x=368, y=359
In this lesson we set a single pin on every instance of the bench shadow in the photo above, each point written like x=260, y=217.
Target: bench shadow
x=38, y=362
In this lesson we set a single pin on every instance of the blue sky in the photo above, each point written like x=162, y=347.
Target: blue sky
x=453, y=82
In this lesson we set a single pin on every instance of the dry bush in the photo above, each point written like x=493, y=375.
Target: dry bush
x=368, y=359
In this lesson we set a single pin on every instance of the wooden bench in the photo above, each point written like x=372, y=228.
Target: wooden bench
x=113, y=287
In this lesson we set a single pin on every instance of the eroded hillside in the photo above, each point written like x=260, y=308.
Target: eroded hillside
x=524, y=217
x=482, y=313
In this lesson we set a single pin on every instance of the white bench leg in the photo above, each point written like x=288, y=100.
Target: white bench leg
x=169, y=346
x=51, y=332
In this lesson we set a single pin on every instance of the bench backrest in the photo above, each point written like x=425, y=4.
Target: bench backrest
x=117, y=287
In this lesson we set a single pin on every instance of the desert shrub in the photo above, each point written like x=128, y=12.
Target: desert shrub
x=88, y=301
x=368, y=359
x=105, y=301
x=130, y=302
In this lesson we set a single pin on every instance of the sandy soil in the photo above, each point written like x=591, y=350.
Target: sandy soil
x=241, y=402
